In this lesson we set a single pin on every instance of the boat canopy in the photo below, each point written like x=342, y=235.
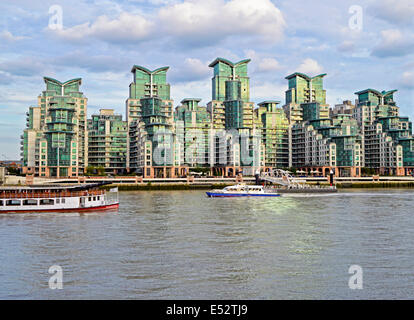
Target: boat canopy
x=53, y=188
x=243, y=187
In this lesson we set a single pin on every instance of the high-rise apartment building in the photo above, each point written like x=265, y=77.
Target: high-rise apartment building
x=107, y=137
x=228, y=136
x=55, y=141
x=346, y=107
x=327, y=144
x=372, y=104
x=232, y=111
x=228, y=78
x=150, y=117
x=305, y=98
x=194, y=135
x=388, y=142
x=275, y=134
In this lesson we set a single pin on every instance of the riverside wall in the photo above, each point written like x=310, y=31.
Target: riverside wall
x=139, y=183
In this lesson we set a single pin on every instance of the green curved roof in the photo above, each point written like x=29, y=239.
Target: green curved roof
x=232, y=64
x=62, y=83
x=191, y=99
x=304, y=76
x=147, y=70
x=268, y=101
x=382, y=93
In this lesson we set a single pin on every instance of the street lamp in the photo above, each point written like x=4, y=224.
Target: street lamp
x=331, y=177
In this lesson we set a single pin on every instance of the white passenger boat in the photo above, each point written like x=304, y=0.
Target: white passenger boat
x=57, y=198
x=242, y=190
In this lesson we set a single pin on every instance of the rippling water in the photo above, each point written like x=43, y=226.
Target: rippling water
x=183, y=245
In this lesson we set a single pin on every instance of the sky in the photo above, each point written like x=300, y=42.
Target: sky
x=359, y=44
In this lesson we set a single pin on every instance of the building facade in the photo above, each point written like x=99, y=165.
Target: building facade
x=305, y=94
x=275, y=131
x=150, y=117
x=107, y=138
x=229, y=135
x=388, y=140
x=54, y=144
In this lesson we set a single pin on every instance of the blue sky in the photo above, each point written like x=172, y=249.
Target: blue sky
x=100, y=41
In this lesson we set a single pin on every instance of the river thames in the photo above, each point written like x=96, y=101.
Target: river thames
x=183, y=245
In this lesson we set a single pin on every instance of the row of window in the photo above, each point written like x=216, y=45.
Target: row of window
x=29, y=202
x=34, y=202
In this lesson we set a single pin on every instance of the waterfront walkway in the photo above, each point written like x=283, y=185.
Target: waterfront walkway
x=136, y=180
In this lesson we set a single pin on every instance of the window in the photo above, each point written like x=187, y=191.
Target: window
x=63, y=200
x=13, y=203
x=89, y=198
x=46, y=202
x=30, y=202
x=1, y=202
x=57, y=201
x=94, y=198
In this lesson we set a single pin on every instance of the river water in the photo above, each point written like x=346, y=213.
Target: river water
x=183, y=245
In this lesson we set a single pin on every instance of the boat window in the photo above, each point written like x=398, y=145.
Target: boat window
x=1, y=202
x=63, y=200
x=94, y=198
x=30, y=202
x=89, y=198
x=57, y=201
x=13, y=203
x=46, y=201
x=98, y=197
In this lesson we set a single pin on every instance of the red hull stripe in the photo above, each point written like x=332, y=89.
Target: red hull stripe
x=107, y=207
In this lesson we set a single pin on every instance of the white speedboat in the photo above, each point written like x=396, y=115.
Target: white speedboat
x=242, y=190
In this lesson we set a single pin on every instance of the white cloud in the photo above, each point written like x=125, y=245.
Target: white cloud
x=407, y=79
x=310, y=66
x=391, y=36
x=217, y=19
x=268, y=64
x=127, y=27
x=193, y=69
x=397, y=12
x=23, y=66
x=193, y=89
x=197, y=66
x=346, y=46
x=267, y=91
x=8, y=36
x=188, y=21
x=262, y=62
x=393, y=43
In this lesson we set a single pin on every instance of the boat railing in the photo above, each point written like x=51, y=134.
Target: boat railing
x=65, y=194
